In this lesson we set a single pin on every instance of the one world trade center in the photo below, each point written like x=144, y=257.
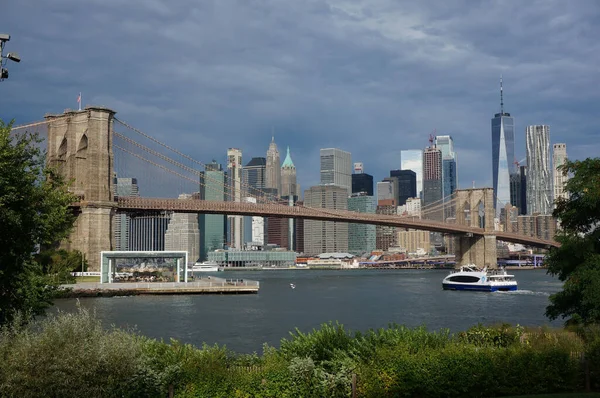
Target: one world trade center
x=503, y=154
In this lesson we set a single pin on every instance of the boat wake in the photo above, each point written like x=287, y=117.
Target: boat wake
x=525, y=293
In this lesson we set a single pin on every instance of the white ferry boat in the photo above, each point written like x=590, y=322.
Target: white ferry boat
x=469, y=277
x=206, y=266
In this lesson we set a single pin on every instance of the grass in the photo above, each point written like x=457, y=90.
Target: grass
x=80, y=279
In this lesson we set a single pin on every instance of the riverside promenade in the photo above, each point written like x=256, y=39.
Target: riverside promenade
x=204, y=285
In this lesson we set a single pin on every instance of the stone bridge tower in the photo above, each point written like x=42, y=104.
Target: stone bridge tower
x=80, y=148
x=475, y=208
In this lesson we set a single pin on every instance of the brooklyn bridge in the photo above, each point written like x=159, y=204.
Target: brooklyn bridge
x=82, y=146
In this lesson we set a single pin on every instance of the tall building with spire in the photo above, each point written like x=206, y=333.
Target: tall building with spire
x=273, y=180
x=289, y=185
x=503, y=154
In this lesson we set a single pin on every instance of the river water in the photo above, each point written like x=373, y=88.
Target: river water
x=359, y=299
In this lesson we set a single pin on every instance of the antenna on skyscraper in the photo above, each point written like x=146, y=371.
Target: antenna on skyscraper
x=501, y=97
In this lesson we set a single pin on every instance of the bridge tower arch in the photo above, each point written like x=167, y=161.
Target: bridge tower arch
x=478, y=250
x=80, y=148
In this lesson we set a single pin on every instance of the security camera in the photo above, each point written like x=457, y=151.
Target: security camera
x=13, y=57
x=4, y=37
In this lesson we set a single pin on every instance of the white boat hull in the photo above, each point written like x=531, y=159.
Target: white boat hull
x=473, y=279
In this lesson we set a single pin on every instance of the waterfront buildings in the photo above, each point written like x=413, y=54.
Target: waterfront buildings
x=121, y=220
x=249, y=258
x=289, y=185
x=212, y=226
x=183, y=233
x=386, y=236
x=234, y=185
x=503, y=154
x=559, y=155
x=336, y=168
x=361, y=237
x=412, y=159
x=407, y=185
x=325, y=236
x=413, y=240
x=539, y=179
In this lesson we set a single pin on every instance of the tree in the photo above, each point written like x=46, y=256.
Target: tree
x=34, y=213
x=577, y=261
x=58, y=264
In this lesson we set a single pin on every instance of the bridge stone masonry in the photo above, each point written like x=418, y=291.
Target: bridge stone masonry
x=80, y=147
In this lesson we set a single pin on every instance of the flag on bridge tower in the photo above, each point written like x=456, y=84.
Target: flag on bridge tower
x=79, y=100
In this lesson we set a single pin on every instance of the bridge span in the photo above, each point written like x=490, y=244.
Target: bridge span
x=308, y=213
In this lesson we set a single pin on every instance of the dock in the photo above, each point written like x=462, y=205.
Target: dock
x=204, y=285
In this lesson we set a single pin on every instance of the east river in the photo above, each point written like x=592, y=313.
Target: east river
x=359, y=299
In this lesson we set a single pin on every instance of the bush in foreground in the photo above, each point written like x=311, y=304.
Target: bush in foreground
x=72, y=355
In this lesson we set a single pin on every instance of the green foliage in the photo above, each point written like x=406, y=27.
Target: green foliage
x=482, y=336
x=577, y=261
x=319, y=345
x=72, y=355
x=58, y=264
x=33, y=213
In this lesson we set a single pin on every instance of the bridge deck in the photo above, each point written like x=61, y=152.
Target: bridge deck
x=309, y=213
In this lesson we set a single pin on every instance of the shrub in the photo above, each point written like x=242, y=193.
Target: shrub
x=72, y=355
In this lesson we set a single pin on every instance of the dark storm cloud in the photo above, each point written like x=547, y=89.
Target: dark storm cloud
x=371, y=77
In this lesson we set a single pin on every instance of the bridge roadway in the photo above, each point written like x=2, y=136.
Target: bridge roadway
x=278, y=210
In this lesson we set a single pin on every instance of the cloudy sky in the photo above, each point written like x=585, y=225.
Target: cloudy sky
x=371, y=77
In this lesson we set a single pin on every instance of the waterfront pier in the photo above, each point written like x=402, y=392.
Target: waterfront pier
x=203, y=285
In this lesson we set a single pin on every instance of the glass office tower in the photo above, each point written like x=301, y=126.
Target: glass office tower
x=503, y=154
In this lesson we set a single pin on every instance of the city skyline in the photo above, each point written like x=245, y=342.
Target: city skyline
x=222, y=92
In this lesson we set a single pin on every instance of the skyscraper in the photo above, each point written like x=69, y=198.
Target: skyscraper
x=289, y=185
x=183, y=233
x=412, y=159
x=432, y=182
x=254, y=181
x=234, y=166
x=361, y=237
x=407, y=184
x=361, y=181
x=254, y=176
x=273, y=180
x=539, y=180
x=121, y=220
x=503, y=154
x=445, y=143
x=212, y=226
x=325, y=236
x=559, y=155
x=336, y=168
